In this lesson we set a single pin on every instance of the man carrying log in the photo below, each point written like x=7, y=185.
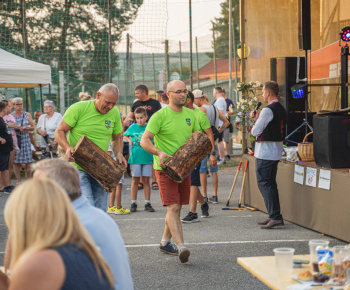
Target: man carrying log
x=100, y=121
x=171, y=127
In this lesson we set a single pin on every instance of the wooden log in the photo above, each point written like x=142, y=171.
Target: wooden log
x=188, y=157
x=98, y=163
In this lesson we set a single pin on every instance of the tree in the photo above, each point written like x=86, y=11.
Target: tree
x=221, y=27
x=186, y=70
x=70, y=36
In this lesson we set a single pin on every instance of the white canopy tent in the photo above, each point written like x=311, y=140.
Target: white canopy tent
x=18, y=72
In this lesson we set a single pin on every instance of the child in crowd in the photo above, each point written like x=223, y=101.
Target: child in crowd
x=140, y=160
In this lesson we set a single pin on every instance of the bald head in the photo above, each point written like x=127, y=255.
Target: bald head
x=109, y=88
x=174, y=84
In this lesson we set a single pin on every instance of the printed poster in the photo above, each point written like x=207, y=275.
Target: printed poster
x=299, y=174
x=311, y=175
x=324, y=180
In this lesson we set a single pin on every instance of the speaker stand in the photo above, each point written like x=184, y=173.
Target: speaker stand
x=305, y=123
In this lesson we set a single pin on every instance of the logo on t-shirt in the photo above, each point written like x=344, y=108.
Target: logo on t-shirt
x=188, y=121
x=108, y=124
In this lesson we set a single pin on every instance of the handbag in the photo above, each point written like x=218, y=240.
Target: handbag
x=215, y=131
x=18, y=134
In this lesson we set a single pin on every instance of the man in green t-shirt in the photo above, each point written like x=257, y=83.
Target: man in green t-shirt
x=170, y=128
x=205, y=127
x=100, y=121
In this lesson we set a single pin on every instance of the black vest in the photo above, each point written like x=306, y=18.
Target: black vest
x=275, y=130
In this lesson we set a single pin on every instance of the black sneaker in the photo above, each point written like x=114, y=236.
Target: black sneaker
x=205, y=210
x=213, y=199
x=190, y=218
x=8, y=189
x=228, y=158
x=133, y=207
x=148, y=207
x=169, y=249
x=205, y=199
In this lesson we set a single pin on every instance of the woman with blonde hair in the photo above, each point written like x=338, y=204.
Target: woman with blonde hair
x=84, y=96
x=49, y=248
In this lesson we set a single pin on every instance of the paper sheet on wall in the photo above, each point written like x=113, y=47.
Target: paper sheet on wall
x=299, y=174
x=324, y=180
x=311, y=175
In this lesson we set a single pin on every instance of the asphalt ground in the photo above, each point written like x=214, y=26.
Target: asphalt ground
x=214, y=242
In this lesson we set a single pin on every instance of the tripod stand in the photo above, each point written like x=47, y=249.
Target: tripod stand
x=305, y=123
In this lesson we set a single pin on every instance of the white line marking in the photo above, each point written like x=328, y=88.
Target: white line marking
x=153, y=219
x=223, y=243
x=142, y=219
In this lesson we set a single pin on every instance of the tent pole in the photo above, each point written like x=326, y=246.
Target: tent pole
x=41, y=98
x=27, y=99
x=49, y=92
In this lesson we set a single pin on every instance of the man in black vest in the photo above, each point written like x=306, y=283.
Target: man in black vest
x=269, y=131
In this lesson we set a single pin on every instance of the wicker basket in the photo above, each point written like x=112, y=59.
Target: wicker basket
x=306, y=150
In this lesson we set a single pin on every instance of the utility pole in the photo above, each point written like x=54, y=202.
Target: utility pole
x=191, y=62
x=230, y=48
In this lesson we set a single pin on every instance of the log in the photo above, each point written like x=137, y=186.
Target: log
x=98, y=163
x=188, y=157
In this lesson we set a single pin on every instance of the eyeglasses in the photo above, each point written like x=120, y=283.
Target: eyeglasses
x=179, y=92
x=19, y=104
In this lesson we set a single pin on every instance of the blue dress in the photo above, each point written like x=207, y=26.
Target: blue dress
x=80, y=271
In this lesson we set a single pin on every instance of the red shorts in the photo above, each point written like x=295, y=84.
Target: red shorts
x=172, y=192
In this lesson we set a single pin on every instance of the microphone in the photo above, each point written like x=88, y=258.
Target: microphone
x=258, y=105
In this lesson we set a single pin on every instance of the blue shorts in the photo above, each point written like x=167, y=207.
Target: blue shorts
x=204, y=168
x=195, y=178
x=139, y=170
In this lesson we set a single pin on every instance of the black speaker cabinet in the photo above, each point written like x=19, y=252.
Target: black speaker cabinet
x=332, y=141
x=304, y=24
x=284, y=71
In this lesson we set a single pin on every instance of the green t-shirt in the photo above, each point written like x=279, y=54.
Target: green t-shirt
x=171, y=130
x=138, y=154
x=202, y=119
x=86, y=120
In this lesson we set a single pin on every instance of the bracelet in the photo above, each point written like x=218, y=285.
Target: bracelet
x=212, y=153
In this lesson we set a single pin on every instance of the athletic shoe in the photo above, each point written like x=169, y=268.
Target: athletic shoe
x=228, y=158
x=184, y=254
x=169, y=249
x=133, y=207
x=205, y=210
x=190, y=218
x=213, y=199
x=148, y=207
x=205, y=199
x=8, y=189
x=221, y=161
x=111, y=209
x=122, y=210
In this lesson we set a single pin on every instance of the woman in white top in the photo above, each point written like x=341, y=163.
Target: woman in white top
x=47, y=126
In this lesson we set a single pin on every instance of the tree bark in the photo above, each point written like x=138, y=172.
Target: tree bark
x=98, y=163
x=188, y=157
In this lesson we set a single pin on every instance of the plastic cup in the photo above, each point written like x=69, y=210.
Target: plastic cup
x=284, y=263
x=313, y=244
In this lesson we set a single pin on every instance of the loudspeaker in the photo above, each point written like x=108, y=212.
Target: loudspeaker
x=332, y=141
x=284, y=71
x=304, y=25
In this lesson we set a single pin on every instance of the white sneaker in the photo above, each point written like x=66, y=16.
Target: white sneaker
x=221, y=161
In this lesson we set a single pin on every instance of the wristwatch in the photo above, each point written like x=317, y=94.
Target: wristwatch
x=212, y=153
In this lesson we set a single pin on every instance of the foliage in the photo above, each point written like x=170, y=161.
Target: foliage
x=221, y=28
x=186, y=70
x=70, y=36
x=247, y=103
